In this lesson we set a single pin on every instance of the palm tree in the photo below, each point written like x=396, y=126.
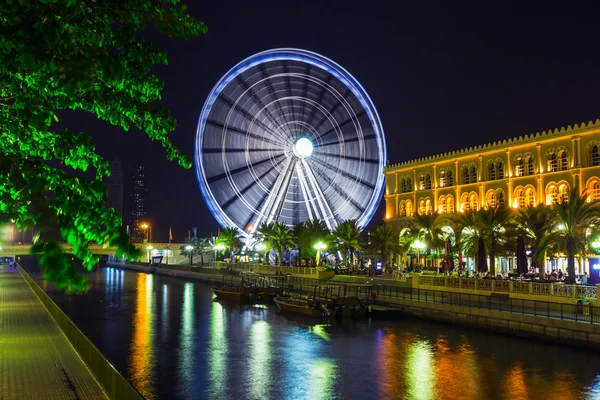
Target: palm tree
x=312, y=232
x=189, y=248
x=572, y=217
x=203, y=246
x=535, y=223
x=264, y=231
x=427, y=228
x=280, y=237
x=386, y=240
x=346, y=237
x=230, y=238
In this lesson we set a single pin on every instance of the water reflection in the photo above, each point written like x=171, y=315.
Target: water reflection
x=217, y=352
x=186, y=339
x=420, y=371
x=260, y=360
x=141, y=348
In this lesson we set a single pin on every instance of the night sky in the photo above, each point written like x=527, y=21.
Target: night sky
x=441, y=79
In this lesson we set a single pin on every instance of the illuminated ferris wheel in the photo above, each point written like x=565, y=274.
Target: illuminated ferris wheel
x=288, y=135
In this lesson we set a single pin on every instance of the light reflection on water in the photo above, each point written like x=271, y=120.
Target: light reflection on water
x=179, y=343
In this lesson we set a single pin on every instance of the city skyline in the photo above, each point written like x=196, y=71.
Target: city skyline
x=459, y=78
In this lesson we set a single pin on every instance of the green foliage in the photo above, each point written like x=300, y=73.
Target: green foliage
x=385, y=240
x=58, y=55
x=347, y=238
x=278, y=236
x=230, y=238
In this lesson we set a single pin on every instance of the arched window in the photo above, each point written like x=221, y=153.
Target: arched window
x=491, y=172
x=403, y=209
x=519, y=198
x=500, y=168
x=428, y=208
x=500, y=197
x=403, y=185
x=563, y=193
x=409, y=211
x=421, y=207
x=473, y=174
x=474, y=202
x=595, y=155
x=530, y=197
x=427, y=182
x=442, y=205
x=491, y=199
x=594, y=190
x=409, y=185
x=564, y=161
x=530, y=167
x=450, y=178
x=464, y=202
x=520, y=167
x=552, y=195
x=422, y=182
x=466, y=176
x=450, y=204
x=552, y=162
x=443, y=179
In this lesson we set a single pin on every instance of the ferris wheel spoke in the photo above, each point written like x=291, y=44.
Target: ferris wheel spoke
x=243, y=168
x=252, y=184
x=267, y=79
x=305, y=192
x=324, y=90
x=337, y=105
x=288, y=88
x=353, y=118
x=254, y=96
x=347, y=157
x=274, y=202
x=345, y=174
x=341, y=192
x=249, y=117
x=324, y=206
x=217, y=150
x=354, y=139
x=307, y=69
x=244, y=133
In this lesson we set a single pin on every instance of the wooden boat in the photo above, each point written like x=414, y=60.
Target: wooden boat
x=300, y=306
x=229, y=293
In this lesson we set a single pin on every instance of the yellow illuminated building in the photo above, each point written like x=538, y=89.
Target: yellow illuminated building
x=528, y=170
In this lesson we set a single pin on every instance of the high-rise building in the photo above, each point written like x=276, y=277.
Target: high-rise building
x=139, y=203
x=114, y=184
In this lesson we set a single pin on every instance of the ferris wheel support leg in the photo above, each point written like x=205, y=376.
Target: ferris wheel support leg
x=305, y=192
x=284, y=189
x=331, y=221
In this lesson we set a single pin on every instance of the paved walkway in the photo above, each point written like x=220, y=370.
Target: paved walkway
x=36, y=360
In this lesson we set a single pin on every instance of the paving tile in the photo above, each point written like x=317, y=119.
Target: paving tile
x=36, y=359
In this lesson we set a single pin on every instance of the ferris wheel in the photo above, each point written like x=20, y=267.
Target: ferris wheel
x=288, y=135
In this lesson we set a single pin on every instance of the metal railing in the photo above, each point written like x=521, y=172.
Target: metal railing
x=573, y=312
x=506, y=286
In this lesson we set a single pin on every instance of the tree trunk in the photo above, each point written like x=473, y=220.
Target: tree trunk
x=281, y=257
x=201, y=259
x=190, y=258
x=570, y=263
x=493, y=263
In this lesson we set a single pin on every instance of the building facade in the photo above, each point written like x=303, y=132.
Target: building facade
x=519, y=172
x=139, y=204
x=114, y=184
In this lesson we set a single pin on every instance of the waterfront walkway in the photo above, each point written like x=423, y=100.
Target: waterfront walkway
x=36, y=360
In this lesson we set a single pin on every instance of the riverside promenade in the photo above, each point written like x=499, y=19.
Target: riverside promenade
x=36, y=359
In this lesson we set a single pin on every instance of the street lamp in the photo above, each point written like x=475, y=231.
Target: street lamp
x=218, y=247
x=319, y=246
x=189, y=248
x=146, y=228
x=596, y=245
x=149, y=249
x=418, y=245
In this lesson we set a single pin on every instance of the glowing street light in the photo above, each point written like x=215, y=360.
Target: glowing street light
x=418, y=245
x=218, y=247
x=596, y=245
x=261, y=247
x=149, y=248
x=146, y=228
x=319, y=246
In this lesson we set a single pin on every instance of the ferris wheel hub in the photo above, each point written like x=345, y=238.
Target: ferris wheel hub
x=303, y=148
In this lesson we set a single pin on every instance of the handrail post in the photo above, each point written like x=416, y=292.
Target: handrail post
x=476, y=283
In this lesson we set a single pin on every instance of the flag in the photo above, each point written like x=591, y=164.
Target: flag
x=170, y=235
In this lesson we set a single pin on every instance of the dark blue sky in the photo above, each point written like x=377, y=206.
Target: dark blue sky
x=441, y=79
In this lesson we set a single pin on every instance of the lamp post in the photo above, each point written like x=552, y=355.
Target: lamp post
x=319, y=246
x=261, y=247
x=146, y=228
x=189, y=248
x=218, y=247
x=149, y=248
x=418, y=246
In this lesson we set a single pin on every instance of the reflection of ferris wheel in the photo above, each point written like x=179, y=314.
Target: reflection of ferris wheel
x=289, y=135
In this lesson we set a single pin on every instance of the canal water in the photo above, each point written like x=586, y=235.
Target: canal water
x=172, y=340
